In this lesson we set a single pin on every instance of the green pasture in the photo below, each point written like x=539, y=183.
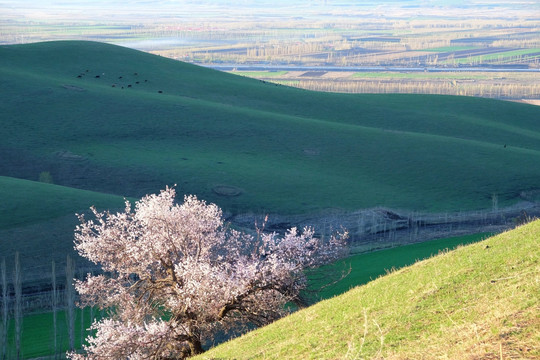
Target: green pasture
x=502, y=56
x=363, y=268
x=480, y=300
x=25, y=202
x=286, y=150
x=37, y=337
x=422, y=75
x=38, y=221
x=260, y=74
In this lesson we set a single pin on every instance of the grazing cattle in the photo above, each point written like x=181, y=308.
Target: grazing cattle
x=129, y=85
x=161, y=92
x=97, y=76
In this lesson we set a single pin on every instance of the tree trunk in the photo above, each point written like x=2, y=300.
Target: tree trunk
x=195, y=346
x=70, y=302
x=54, y=305
x=18, y=307
x=5, y=313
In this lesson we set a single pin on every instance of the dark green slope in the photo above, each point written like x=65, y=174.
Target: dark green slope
x=37, y=220
x=29, y=202
x=249, y=145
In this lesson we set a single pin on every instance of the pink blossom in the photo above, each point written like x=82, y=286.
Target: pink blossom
x=174, y=273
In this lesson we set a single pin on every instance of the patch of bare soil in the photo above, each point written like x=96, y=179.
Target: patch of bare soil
x=312, y=152
x=227, y=190
x=68, y=155
x=333, y=75
x=380, y=228
x=73, y=87
x=531, y=101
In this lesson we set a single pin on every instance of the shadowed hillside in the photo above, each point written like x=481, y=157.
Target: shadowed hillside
x=110, y=119
x=38, y=221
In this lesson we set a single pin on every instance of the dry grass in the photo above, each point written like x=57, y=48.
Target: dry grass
x=532, y=101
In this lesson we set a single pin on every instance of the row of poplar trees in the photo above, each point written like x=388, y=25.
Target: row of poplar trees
x=11, y=324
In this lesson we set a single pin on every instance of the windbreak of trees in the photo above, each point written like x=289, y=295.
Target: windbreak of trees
x=15, y=304
x=443, y=87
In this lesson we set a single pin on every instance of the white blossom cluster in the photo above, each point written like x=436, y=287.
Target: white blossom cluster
x=173, y=273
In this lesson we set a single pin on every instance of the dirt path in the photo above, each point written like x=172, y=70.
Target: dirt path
x=380, y=228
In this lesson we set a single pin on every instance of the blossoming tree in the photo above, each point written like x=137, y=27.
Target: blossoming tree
x=173, y=274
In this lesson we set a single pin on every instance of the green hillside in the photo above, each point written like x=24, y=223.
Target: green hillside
x=38, y=220
x=477, y=302
x=329, y=280
x=107, y=122
x=27, y=202
x=114, y=120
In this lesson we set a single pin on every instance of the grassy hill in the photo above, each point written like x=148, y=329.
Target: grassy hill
x=27, y=202
x=328, y=281
x=114, y=120
x=38, y=219
x=108, y=122
x=477, y=302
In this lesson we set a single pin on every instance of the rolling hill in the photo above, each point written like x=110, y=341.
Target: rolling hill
x=37, y=220
x=114, y=120
x=107, y=122
x=477, y=302
x=117, y=122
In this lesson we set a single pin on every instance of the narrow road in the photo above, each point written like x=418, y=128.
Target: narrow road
x=366, y=68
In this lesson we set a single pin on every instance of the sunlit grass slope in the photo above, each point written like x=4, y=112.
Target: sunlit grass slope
x=329, y=280
x=477, y=302
x=111, y=119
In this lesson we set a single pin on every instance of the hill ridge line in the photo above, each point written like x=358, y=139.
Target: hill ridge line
x=382, y=130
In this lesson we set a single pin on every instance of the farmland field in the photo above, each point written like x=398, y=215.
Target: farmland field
x=381, y=34
x=367, y=267
x=501, y=57
x=492, y=83
x=38, y=334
